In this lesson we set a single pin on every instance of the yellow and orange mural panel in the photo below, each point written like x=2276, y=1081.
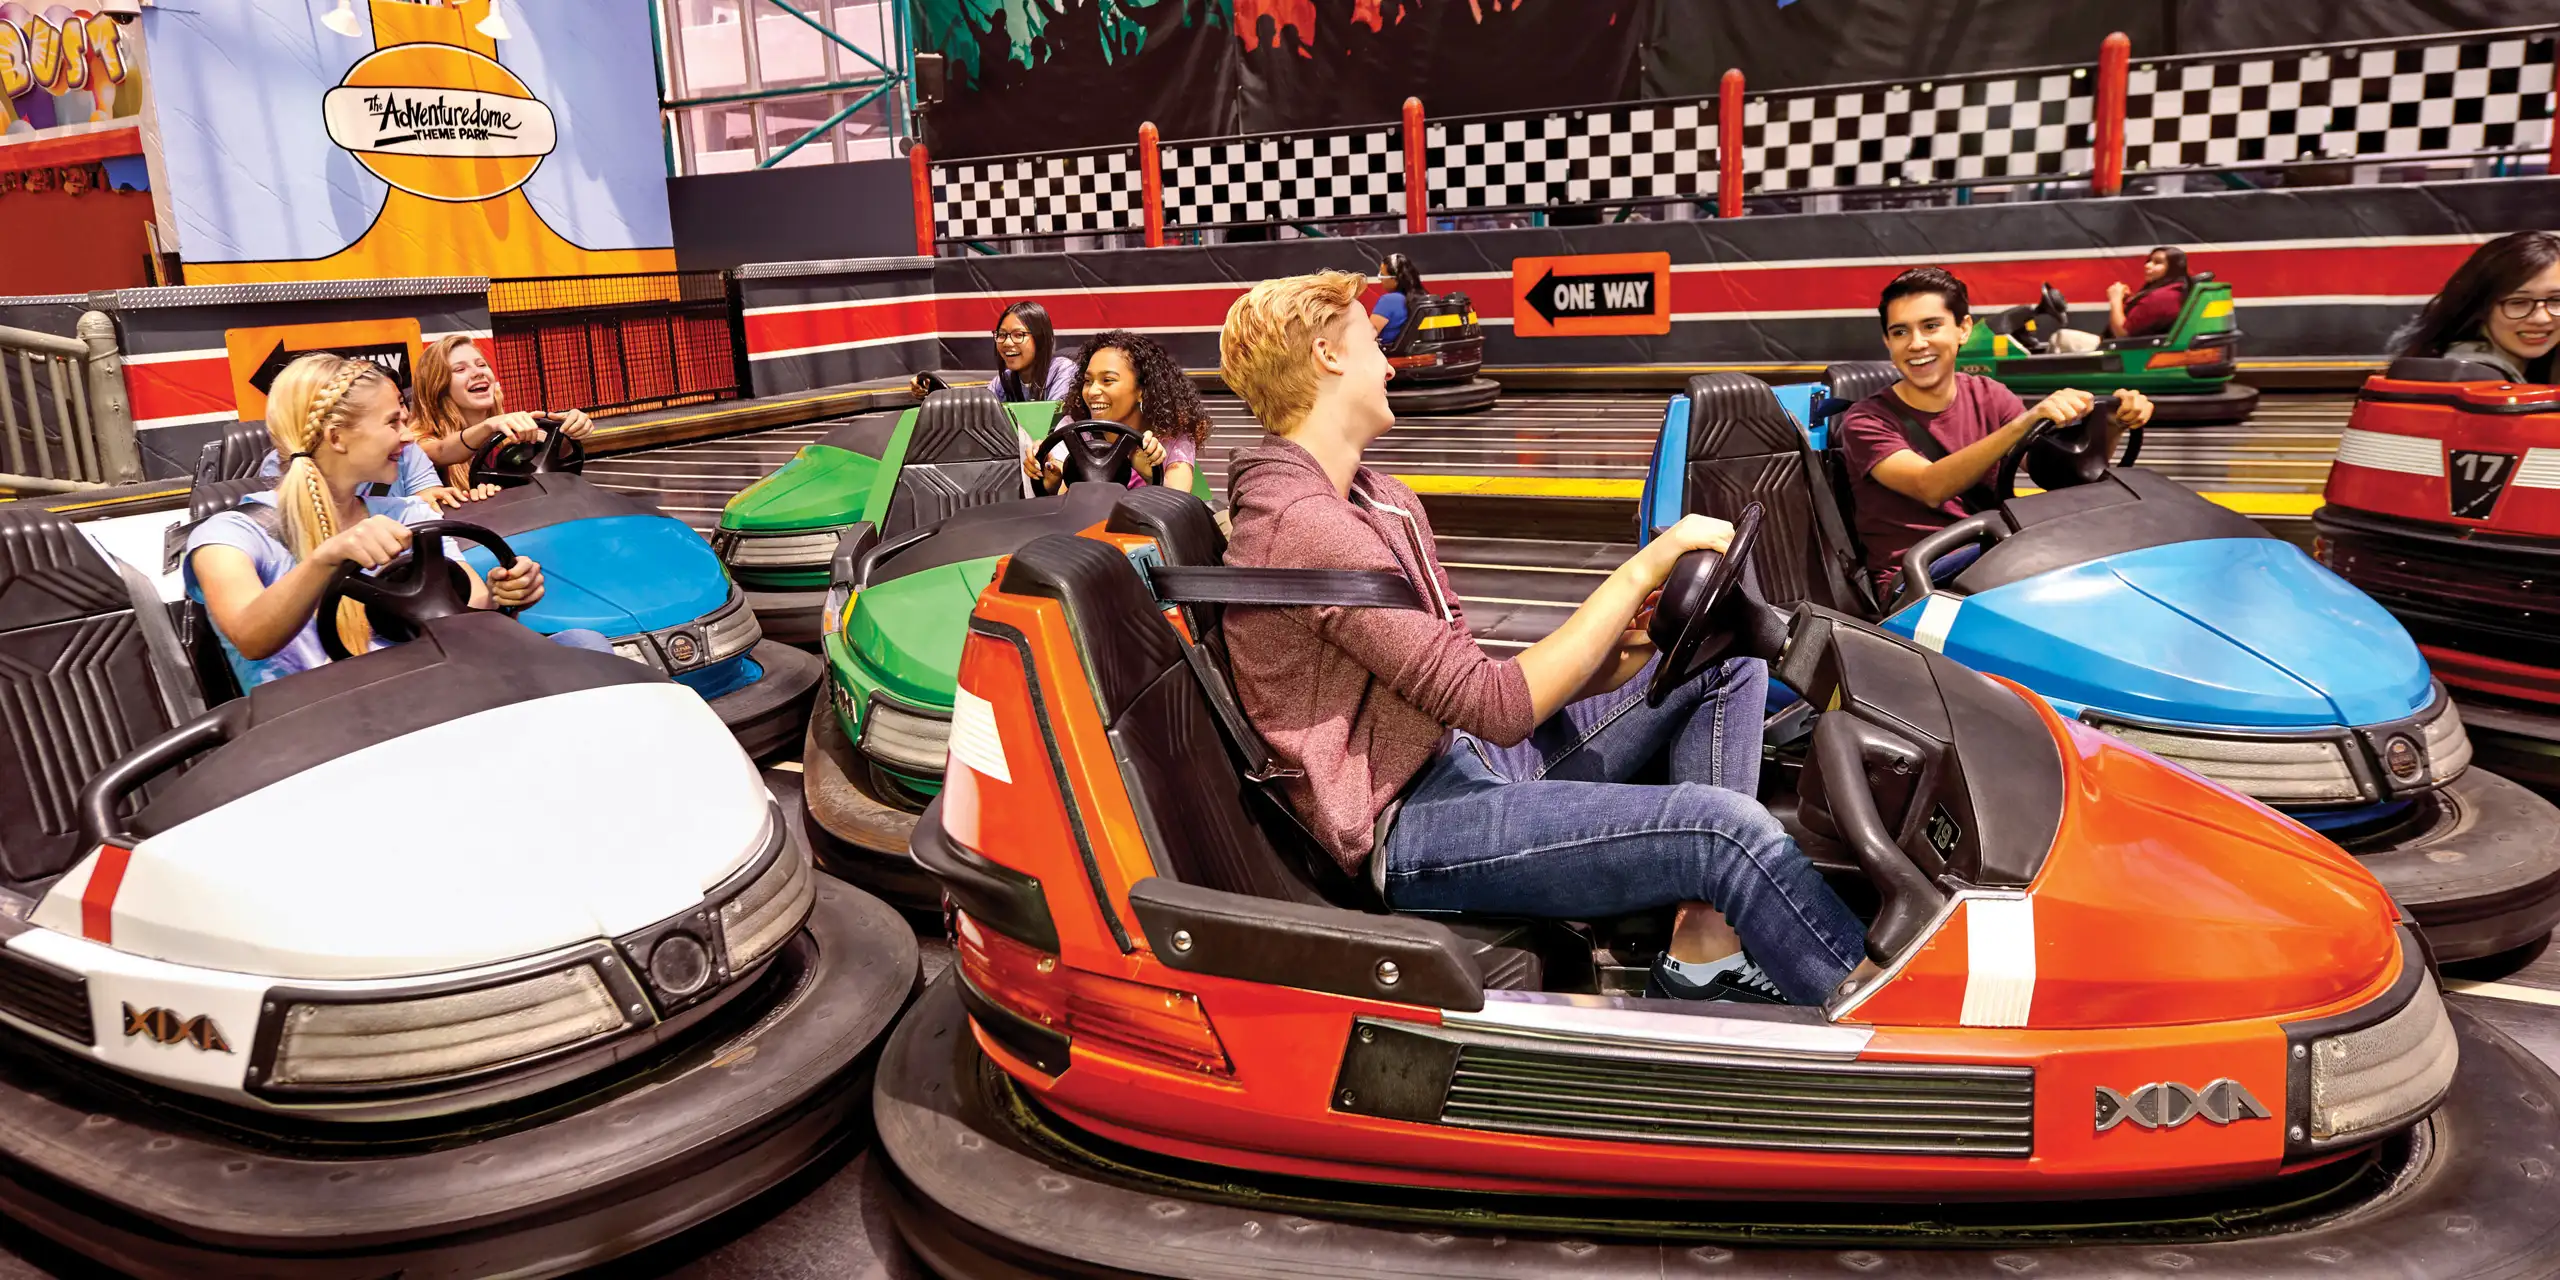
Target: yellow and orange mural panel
x=422, y=147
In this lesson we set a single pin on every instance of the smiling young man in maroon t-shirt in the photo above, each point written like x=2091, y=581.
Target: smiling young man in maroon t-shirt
x=1972, y=422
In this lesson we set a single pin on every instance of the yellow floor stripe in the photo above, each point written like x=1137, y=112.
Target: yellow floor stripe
x=2502, y=991
x=2247, y=503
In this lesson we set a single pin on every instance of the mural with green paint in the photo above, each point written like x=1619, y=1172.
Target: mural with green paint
x=967, y=31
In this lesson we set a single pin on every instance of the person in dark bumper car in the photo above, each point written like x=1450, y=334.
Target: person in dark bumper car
x=2501, y=308
x=1395, y=307
x=1922, y=451
x=261, y=569
x=1457, y=781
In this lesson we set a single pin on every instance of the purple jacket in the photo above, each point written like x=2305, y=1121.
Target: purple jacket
x=1356, y=700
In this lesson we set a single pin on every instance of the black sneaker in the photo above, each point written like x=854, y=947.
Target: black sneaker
x=1737, y=979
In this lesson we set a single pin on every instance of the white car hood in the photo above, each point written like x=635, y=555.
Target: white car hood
x=507, y=833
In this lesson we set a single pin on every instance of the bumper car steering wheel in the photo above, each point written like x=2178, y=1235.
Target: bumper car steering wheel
x=417, y=588
x=1096, y=450
x=2061, y=456
x=508, y=463
x=1690, y=625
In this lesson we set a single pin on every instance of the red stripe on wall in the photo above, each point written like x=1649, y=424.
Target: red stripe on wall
x=2395, y=271
x=179, y=388
x=98, y=900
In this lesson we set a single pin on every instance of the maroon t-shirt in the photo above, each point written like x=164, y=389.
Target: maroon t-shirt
x=1888, y=523
x=2155, y=311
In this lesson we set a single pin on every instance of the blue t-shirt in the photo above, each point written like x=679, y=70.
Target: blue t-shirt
x=417, y=472
x=1392, y=306
x=273, y=560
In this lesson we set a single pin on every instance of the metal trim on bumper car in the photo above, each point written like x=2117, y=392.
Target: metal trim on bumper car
x=662, y=1144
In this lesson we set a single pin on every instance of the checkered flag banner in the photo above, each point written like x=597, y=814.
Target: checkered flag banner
x=2487, y=93
x=1067, y=193
x=2023, y=126
x=1285, y=178
x=1604, y=155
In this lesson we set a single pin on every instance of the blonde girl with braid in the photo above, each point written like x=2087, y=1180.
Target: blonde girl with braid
x=259, y=569
x=461, y=408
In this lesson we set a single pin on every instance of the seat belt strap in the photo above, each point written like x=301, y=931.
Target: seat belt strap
x=1979, y=498
x=1223, y=584
x=1253, y=752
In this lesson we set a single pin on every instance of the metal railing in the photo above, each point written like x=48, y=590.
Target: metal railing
x=64, y=423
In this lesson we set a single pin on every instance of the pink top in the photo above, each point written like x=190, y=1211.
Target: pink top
x=1357, y=700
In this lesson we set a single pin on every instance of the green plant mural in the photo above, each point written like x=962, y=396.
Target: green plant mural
x=966, y=31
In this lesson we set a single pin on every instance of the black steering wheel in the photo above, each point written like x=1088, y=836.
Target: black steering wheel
x=1688, y=629
x=2061, y=455
x=1096, y=450
x=419, y=587
x=508, y=463
x=2053, y=303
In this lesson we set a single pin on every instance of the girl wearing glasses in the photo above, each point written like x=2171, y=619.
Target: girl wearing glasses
x=1028, y=366
x=2501, y=308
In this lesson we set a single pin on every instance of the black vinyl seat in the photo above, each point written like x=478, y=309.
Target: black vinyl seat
x=86, y=675
x=1205, y=823
x=2443, y=369
x=961, y=454
x=1744, y=448
x=236, y=454
x=214, y=677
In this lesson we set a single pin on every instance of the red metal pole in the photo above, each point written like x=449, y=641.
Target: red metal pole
x=1151, y=182
x=2115, y=54
x=1417, y=175
x=920, y=178
x=1729, y=145
x=2553, y=164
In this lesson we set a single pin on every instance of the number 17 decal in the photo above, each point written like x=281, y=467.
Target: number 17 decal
x=2476, y=479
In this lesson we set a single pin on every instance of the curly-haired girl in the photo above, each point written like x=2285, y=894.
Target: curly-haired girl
x=259, y=569
x=1126, y=378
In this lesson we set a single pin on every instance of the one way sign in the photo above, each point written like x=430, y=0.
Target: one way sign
x=1593, y=294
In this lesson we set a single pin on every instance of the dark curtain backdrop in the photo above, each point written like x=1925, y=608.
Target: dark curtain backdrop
x=1086, y=73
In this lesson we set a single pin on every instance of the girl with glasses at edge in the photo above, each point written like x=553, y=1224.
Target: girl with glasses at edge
x=2501, y=307
x=1028, y=366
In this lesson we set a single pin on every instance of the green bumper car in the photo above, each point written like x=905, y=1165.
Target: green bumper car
x=778, y=537
x=2186, y=371
x=893, y=616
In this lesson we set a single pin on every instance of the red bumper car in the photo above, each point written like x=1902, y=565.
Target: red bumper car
x=2444, y=506
x=2123, y=1014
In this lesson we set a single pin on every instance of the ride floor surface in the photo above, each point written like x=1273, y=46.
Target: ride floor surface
x=832, y=1222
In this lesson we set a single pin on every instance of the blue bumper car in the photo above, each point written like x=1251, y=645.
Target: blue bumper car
x=614, y=564
x=2135, y=606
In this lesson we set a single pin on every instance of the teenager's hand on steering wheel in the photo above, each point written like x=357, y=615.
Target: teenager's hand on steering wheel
x=446, y=497
x=1692, y=533
x=2066, y=406
x=575, y=424
x=519, y=428
x=516, y=586
x=2132, y=409
x=1045, y=472
x=374, y=542
x=1150, y=453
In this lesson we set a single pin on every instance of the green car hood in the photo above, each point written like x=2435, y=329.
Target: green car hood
x=908, y=631
x=822, y=485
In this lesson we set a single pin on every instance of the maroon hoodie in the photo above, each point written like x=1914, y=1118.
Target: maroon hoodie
x=1356, y=700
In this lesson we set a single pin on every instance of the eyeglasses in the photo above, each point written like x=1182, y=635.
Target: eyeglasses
x=2519, y=308
x=1012, y=337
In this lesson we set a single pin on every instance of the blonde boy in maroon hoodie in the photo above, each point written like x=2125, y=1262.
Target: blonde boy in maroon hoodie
x=1457, y=781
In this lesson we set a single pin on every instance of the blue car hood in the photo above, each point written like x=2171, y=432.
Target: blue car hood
x=618, y=574
x=2243, y=633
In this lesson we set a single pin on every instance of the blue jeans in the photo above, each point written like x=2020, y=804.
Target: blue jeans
x=1551, y=828
x=582, y=638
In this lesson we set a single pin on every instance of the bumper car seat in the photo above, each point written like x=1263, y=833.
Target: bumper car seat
x=1743, y=448
x=2033, y=327
x=89, y=669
